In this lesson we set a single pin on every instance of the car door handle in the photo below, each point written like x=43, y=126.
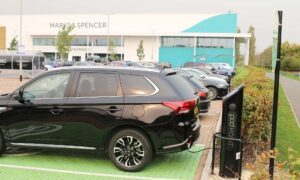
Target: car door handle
x=113, y=109
x=56, y=111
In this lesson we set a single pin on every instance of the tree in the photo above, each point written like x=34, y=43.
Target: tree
x=13, y=44
x=238, y=41
x=112, y=50
x=252, y=58
x=290, y=55
x=63, y=41
x=140, y=51
x=266, y=57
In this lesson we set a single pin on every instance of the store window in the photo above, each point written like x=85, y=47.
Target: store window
x=43, y=41
x=215, y=42
x=79, y=41
x=177, y=41
x=102, y=41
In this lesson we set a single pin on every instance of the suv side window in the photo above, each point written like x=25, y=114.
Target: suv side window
x=135, y=85
x=51, y=86
x=93, y=84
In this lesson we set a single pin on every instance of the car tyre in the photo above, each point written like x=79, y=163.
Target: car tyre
x=212, y=93
x=130, y=150
x=2, y=144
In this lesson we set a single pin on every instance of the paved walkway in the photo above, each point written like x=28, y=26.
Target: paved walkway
x=292, y=90
x=8, y=85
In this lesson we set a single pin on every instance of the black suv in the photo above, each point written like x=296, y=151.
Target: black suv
x=129, y=113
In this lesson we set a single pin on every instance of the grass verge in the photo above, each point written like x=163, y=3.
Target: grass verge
x=288, y=132
x=291, y=75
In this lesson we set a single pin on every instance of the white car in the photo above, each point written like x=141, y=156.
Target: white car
x=48, y=67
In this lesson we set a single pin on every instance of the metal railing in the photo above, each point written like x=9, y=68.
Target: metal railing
x=241, y=144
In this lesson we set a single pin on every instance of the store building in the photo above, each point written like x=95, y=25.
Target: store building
x=174, y=38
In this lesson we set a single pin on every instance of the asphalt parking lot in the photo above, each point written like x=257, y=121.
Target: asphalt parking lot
x=56, y=164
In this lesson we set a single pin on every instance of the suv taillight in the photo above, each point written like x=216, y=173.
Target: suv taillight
x=201, y=94
x=180, y=107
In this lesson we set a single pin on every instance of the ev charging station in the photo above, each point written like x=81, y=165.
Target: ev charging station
x=231, y=152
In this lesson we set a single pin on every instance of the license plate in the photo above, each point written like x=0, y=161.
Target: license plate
x=196, y=111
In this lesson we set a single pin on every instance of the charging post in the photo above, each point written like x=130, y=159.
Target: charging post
x=231, y=153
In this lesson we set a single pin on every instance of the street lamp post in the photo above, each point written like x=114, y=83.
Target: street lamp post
x=20, y=46
x=107, y=45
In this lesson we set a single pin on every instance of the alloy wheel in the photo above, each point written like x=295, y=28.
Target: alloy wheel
x=129, y=151
x=212, y=93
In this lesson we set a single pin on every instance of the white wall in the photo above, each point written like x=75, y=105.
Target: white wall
x=150, y=48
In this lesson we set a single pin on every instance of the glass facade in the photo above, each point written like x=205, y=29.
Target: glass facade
x=79, y=41
x=201, y=42
x=215, y=42
x=102, y=41
x=43, y=41
x=177, y=42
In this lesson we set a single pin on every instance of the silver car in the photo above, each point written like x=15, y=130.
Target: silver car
x=218, y=87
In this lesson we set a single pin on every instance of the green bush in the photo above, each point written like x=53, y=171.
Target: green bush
x=290, y=55
x=257, y=108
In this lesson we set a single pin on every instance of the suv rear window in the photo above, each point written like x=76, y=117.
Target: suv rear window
x=136, y=85
x=96, y=84
x=183, y=87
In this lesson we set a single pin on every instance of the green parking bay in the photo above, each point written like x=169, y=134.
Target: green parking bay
x=87, y=165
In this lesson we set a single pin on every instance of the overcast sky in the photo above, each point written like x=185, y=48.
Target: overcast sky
x=259, y=13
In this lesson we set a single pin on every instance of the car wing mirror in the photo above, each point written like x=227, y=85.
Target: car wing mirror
x=19, y=95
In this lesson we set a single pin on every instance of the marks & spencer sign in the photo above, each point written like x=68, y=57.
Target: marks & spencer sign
x=79, y=25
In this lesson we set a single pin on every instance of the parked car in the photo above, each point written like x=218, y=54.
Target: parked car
x=209, y=66
x=48, y=67
x=217, y=87
x=192, y=64
x=148, y=64
x=87, y=63
x=226, y=65
x=68, y=63
x=209, y=73
x=163, y=65
x=130, y=113
x=200, y=89
x=125, y=63
x=223, y=70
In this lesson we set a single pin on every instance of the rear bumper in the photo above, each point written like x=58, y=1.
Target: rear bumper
x=223, y=91
x=187, y=143
x=204, y=106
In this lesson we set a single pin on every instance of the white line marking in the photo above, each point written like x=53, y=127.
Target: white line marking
x=16, y=154
x=80, y=173
x=291, y=107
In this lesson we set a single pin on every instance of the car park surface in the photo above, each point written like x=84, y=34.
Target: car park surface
x=122, y=121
